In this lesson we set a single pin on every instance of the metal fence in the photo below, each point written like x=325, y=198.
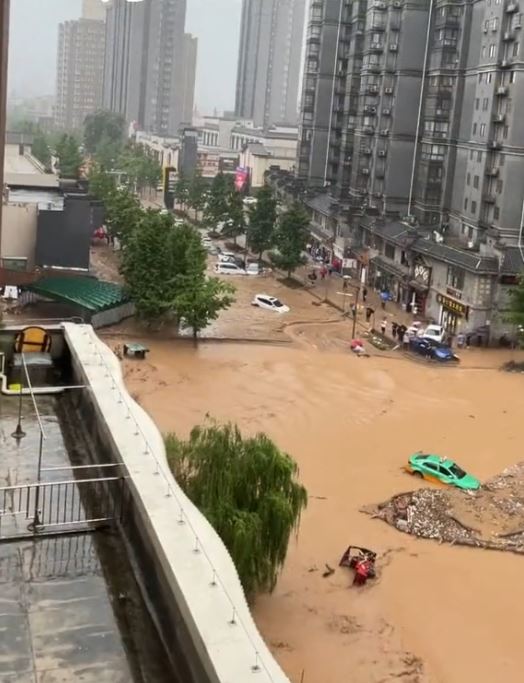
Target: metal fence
x=60, y=507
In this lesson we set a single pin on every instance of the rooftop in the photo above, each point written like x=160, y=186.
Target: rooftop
x=24, y=170
x=86, y=292
x=460, y=257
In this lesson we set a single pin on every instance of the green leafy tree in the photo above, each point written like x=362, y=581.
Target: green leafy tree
x=123, y=214
x=182, y=191
x=516, y=308
x=201, y=299
x=101, y=184
x=217, y=205
x=248, y=490
x=159, y=259
x=107, y=154
x=196, y=194
x=103, y=127
x=236, y=217
x=40, y=150
x=141, y=169
x=69, y=158
x=291, y=236
x=262, y=220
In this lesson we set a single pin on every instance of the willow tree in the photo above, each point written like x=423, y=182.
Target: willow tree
x=248, y=490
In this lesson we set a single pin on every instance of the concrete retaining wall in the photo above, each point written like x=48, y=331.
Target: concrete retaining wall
x=188, y=577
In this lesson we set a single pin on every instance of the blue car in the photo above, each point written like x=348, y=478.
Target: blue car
x=432, y=349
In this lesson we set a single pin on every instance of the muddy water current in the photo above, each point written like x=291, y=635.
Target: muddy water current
x=436, y=613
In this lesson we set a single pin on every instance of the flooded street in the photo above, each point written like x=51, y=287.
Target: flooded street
x=436, y=613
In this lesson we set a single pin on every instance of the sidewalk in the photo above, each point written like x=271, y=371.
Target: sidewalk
x=331, y=290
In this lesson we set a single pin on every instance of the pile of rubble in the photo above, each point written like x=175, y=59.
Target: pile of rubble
x=492, y=517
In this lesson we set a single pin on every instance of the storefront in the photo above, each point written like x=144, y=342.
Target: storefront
x=453, y=313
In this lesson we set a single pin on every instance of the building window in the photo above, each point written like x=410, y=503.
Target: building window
x=477, y=102
x=485, y=104
x=476, y=182
x=496, y=213
x=456, y=277
x=473, y=208
x=468, y=179
x=474, y=129
x=499, y=186
x=482, y=130
x=389, y=251
x=479, y=156
x=466, y=204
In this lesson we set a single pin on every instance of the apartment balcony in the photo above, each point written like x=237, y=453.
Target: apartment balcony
x=384, y=132
x=382, y=153
x=386, y=112
x=449, y=21
x=489, y=198
x=502, y=91
x=506, y=63
x=377, y=26
x=512, y=7
x=492, y=171
x=376, y=47
x=363, y=171
x=368, y=130
x=370, y=110
x=499, y=118
x=366, y=151
x=494, y=145
x=374, y=68
x=371, y=90
x=508, y=36
x=388, y=91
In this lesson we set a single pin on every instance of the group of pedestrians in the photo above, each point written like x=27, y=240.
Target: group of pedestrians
x=398, y=331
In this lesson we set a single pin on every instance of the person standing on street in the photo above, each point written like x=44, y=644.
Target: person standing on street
x=364, y=294
x=383, y=326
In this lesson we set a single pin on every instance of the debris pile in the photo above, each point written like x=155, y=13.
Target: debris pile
x=491, y=518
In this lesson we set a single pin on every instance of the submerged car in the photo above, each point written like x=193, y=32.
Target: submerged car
x=442, y=470
x=270, y=303
x=432, y=349
x=435, y=333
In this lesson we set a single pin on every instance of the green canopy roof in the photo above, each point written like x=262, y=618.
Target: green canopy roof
x=87, y=292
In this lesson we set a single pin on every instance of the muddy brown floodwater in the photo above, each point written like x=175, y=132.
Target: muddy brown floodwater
x=436, y=613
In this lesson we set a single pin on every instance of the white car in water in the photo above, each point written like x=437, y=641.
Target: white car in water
x=270, y=303
x=229, y=269
x=435, y=333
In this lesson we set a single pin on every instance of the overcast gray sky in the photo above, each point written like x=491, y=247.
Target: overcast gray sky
x=32, y=55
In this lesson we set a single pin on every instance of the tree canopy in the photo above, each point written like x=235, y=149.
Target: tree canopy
x=103, y=128
x=196, y=192
x=40, y=149
x=69, y=158
x=141, y=169
x=262, y=219
x=164, y=269
x=235, y=223
x=217, y=205
x=248, y=490
x=516, y=310
x=291, y=237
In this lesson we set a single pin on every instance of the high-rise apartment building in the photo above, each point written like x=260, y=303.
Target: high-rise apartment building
x=269, y=63
x=189, y=77
x=94, y=9
x=412, y=108
x=411, y=117
x=80, y=67
x=4, y=53
x=145, y=74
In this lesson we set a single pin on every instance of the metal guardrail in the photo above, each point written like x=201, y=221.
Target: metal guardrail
x=171, y=492
x=60, y=506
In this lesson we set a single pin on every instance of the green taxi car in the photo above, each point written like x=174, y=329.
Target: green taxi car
x=441, y=470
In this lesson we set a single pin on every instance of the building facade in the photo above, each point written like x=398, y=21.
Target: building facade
x=189, y=77
x=410, y=113
x=80, y=70
x=269, y=62
x=145, y=78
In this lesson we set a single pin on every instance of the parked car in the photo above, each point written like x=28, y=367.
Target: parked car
x=253, y=268
x=270, y=303
x=229, y=269
x=442, y=470
x=226, y=256
x=434, y=332
x=249, y=201
x=432, y=349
